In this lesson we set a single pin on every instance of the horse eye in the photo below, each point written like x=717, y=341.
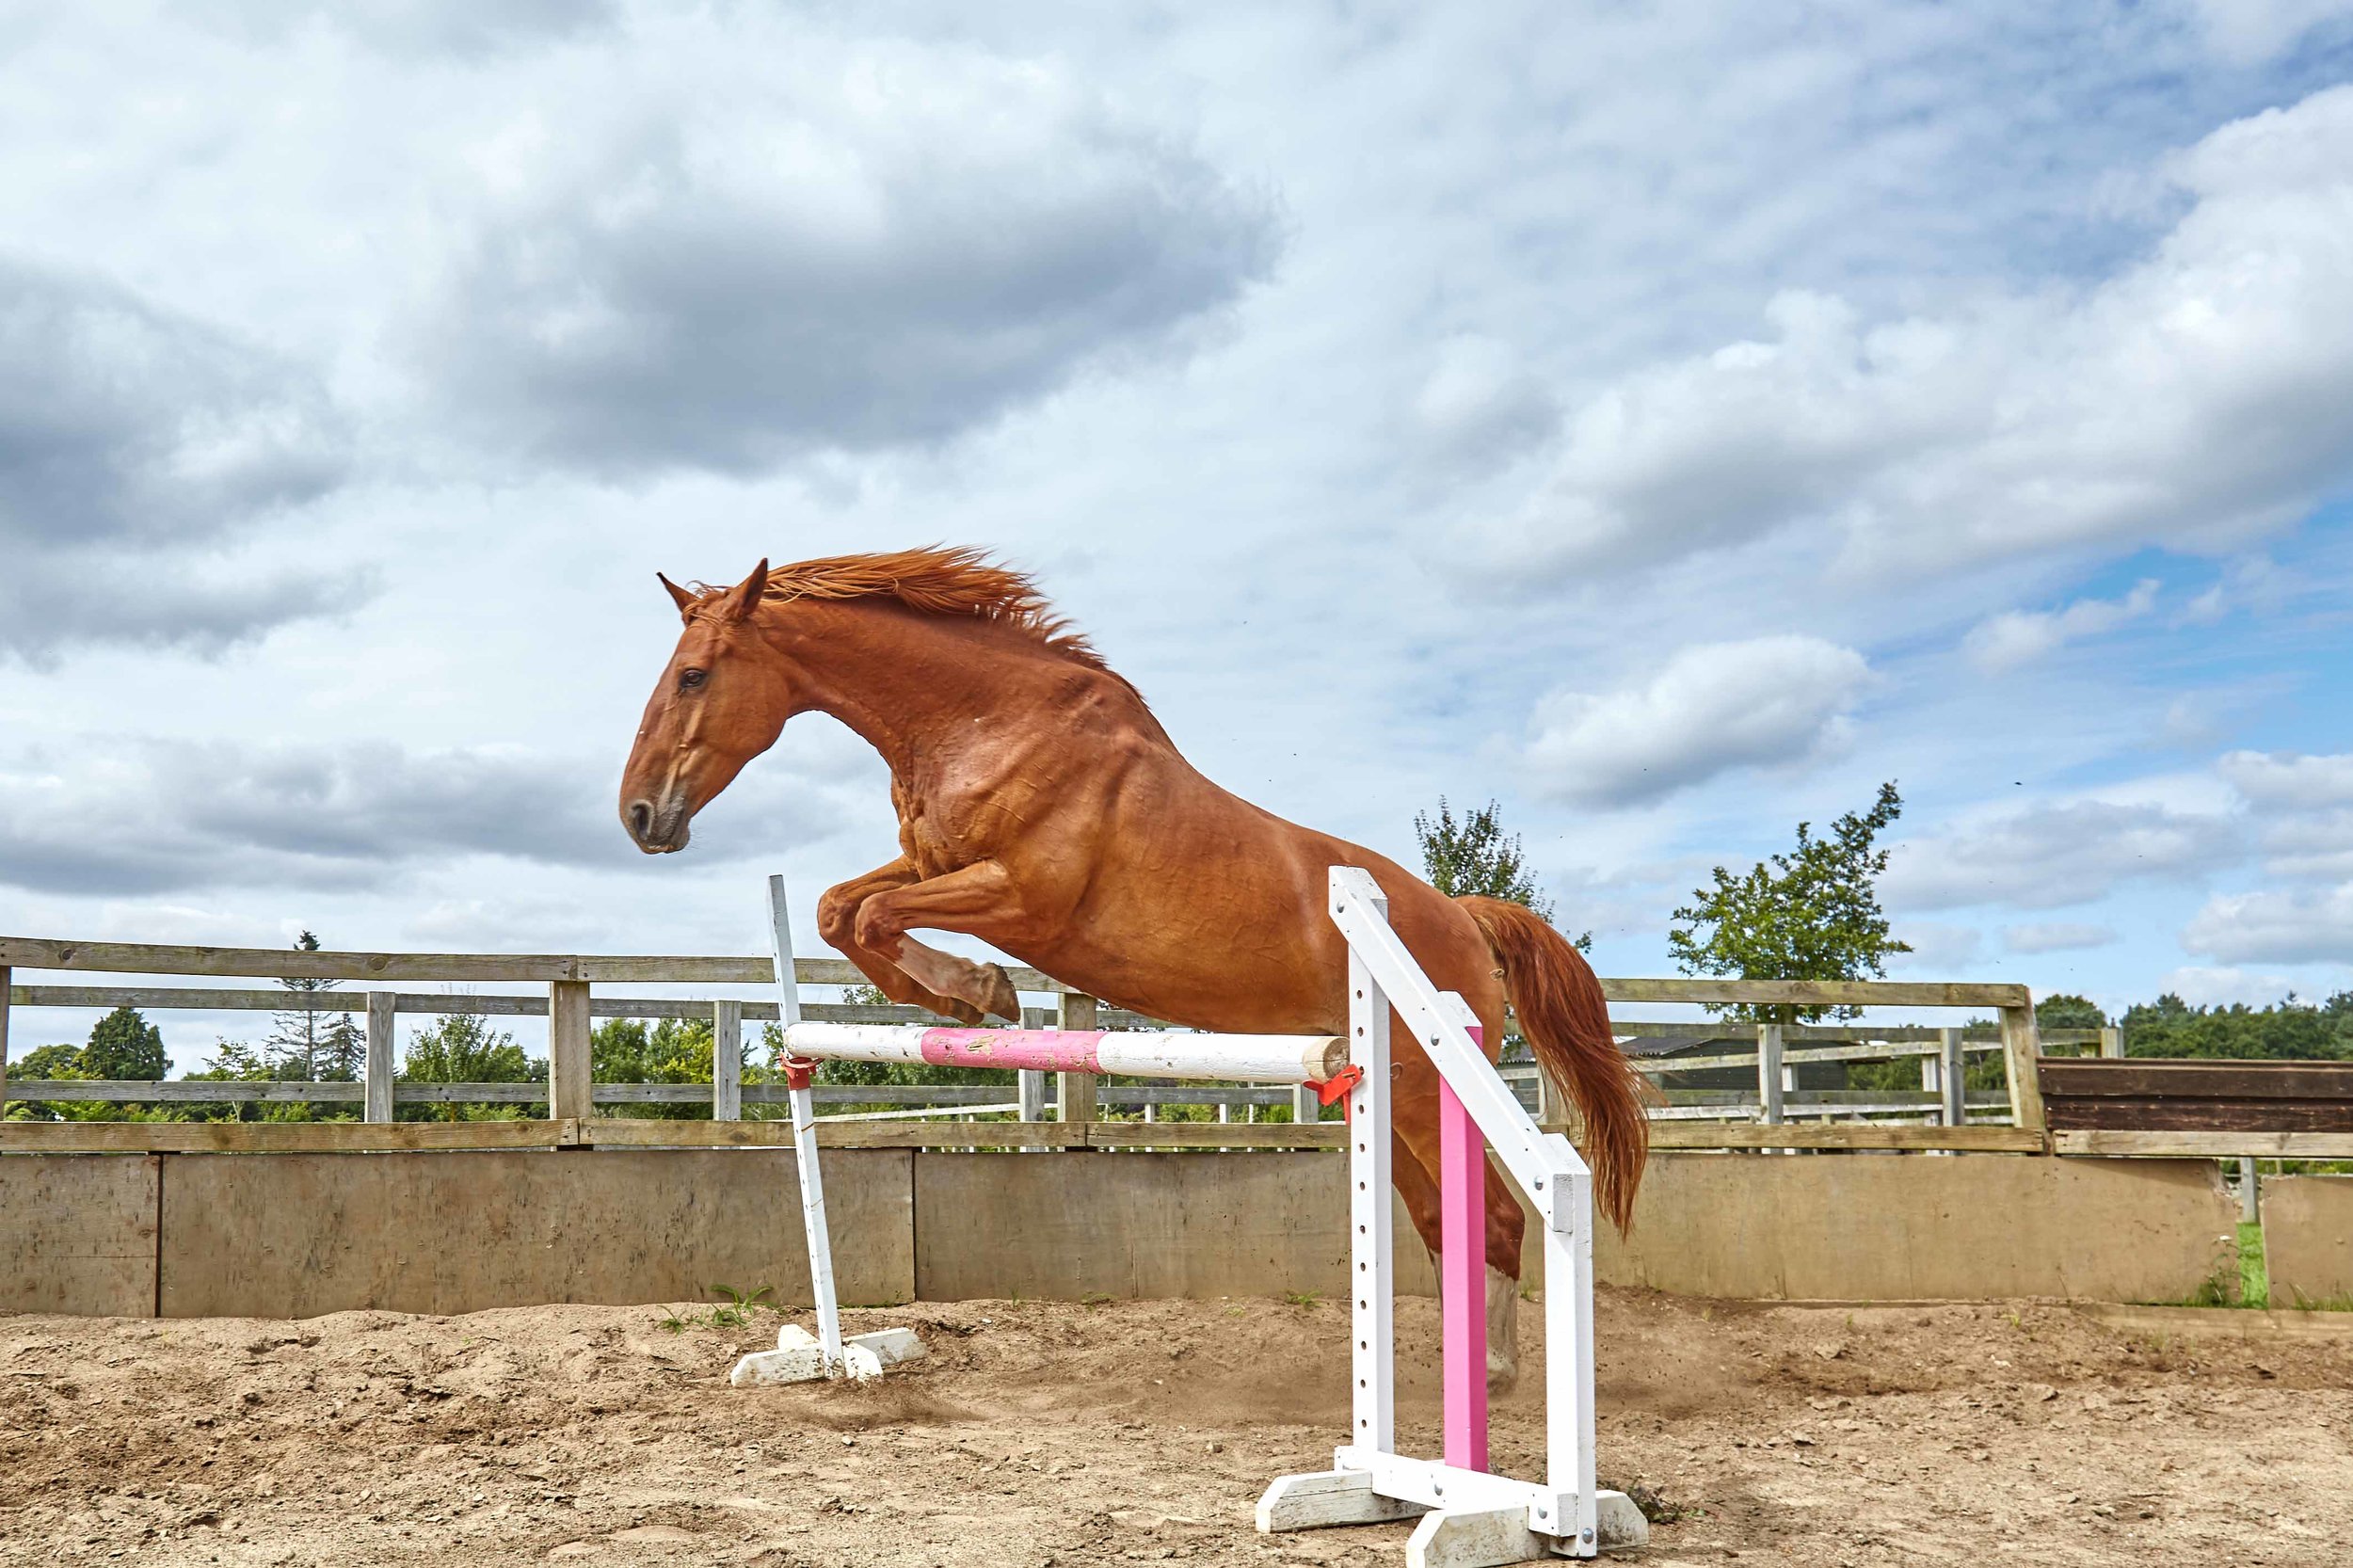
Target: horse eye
x=692, y=678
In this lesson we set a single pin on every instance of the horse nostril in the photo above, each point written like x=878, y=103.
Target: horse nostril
x=640, y=819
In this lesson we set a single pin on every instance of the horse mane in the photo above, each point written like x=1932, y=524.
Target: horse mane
x=939, y=580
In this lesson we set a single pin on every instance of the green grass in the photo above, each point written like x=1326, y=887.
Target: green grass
x=2340, y=1302
x=2249, y=1284
x=2237, y=1282
x=2254, y=1280
x=736, y=1311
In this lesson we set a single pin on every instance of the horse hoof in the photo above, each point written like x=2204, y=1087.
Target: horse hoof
x=1502, y=1377
x=998, y=997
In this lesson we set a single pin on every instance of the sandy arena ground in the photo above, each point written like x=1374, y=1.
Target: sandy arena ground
x=1051, y=1433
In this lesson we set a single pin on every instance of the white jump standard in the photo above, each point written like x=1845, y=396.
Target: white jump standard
x=1470, y=1518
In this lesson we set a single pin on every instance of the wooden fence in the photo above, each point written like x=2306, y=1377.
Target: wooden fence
x=1777, y=1114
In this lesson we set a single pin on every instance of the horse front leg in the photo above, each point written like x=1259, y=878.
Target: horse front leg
x=978, y=900
x=836, y=922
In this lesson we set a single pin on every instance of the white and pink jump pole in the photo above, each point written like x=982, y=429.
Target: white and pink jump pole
x=1467, y=1515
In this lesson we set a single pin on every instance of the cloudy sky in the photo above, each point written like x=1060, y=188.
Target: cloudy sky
x=1670, y=420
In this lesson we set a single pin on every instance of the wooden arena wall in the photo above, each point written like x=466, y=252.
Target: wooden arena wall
x=297, y=1235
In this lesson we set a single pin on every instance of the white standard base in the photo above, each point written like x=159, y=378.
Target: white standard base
x=1445, y=1538
x=799, y=1358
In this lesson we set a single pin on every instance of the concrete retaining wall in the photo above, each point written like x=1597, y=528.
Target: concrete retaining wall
x=1918, y=1228
x=297, y=1235
x=1128, y=1224
x=2308, y=1238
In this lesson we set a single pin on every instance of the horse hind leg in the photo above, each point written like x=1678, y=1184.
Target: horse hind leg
x=1413, y=1159
x=1507, y=1224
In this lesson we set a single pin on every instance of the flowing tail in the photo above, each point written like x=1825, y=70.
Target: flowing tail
x=1563, y=1014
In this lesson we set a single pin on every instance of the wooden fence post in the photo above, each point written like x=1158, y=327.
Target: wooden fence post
x=6, y=979
x=569, y=1074
x=1075, y=1092
x=1768, y=1073
x=727, y=1061
x=1030, y=1089
x=1952, y=1077
x=378, y=1092
x=2021, y=1049
x=2111, y=1041
x=1305, y=1107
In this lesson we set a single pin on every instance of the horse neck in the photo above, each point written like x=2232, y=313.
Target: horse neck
x=910, y=684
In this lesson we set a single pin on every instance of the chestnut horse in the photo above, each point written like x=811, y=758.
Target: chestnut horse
x=1043, y=810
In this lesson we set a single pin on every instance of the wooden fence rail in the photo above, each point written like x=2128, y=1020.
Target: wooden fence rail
x=569, y=1000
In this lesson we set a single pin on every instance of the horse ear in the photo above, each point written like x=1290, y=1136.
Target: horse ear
x=680, y=597
x=744, y=598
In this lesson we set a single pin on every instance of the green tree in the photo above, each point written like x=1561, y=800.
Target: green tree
x=1473, y=855
x=2063, y=1010
x=2291, y=1029
x=234, y=1062
x=461, y=1048
x=1811, y=914
x=49, y=1061
x=124, y=1044
x=674, y=1050
x=342, y=1051
x=294, y=1044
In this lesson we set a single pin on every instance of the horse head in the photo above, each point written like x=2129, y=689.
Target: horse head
x=722, y=700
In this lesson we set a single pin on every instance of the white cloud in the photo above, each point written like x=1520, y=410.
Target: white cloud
x=1480, y=404
x=134, y=443
x=2309, y=843
x=2015, y=637
x=2049, y=856
x=2204, y=986
x=120, y=815
x=2195, y=396
x=1711, y=708
x=2249, y=582
x=2251, y=31
x=2056, y=937
x=423, y=26
x=1936, y=947
x=2302, y=806
x=2289, y=779
x=2298, y=925
x=732, y=258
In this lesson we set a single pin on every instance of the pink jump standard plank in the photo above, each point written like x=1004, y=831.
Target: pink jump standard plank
x=1463, y=1273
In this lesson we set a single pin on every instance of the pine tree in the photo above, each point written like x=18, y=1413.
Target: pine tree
x=343, y=1052
x=294, y=1044
x=1812, y=914
x=124, y=1044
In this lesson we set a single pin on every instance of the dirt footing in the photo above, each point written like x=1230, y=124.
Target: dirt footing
x=1050, y=1433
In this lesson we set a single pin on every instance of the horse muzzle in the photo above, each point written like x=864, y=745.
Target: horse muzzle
x=657, y=829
